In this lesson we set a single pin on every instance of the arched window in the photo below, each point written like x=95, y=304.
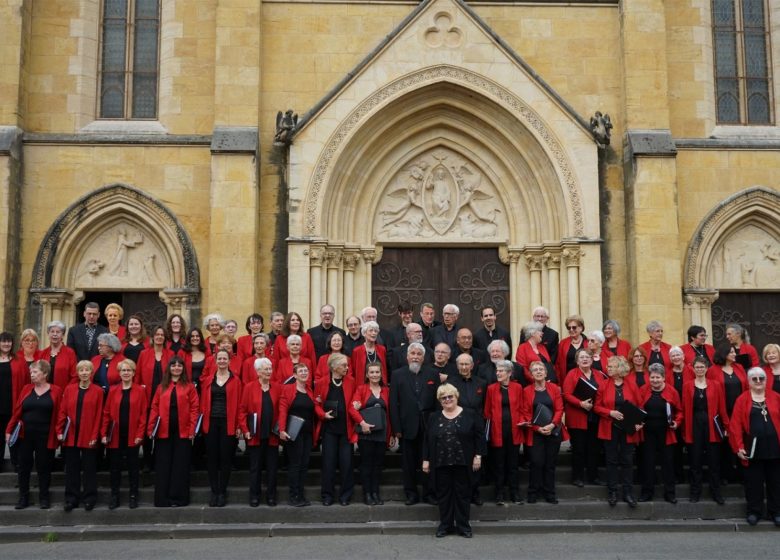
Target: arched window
x=742, y=79
x=129, y=59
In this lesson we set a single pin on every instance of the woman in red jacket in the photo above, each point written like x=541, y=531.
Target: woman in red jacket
x=677, y=375
x=372, y=441
x=220, y=395
x=334, y=345
x=105, y=363
x=697, y=346
x=544, y=440
x=29, y=350
x=746, y=352
x=172, y=424
x=368, y=353
x=662, y=404
x=135, y=340
x=655, y=348
x=61, y=358
x=533, y=350
x=702, y=402
x=293, y=324
x=245, y=345
x=284, y=369
x=637, y=373
x=334, y=394
x=13, y=377
x=771, y=356
x=35, y=413
x=504, y=410
x=619, y=440
x=176, y=333
x=755, y=438
x=195, y=354
x=257, y=415
x=568, y=347
x=78, y=429
x=582, y=422
x=260, y=350
x=122, y=431
x=615, y=345
x=153, y=361
x=297, y=399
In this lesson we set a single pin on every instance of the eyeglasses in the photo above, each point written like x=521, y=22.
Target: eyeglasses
x=757, y=379
x=447, y=398
x=572, y=327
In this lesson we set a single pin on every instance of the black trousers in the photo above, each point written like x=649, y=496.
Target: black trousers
x=124, y=458
x=679, y=456
x=261, y=457
x=620, y=461
x=761, y=474
x=372, y=460
x=653, y=448
x=80, y=475
x=543, y=455
x=33, y=449
x=505, y=461
x=172, y=457
x=411, y=459
x=453, y=493
x=220, y=448
x=730, y=466
x=586, y=453
x=336, y=452
x=698, y=451
x=298, y=453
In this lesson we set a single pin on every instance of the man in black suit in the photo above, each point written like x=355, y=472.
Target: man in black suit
x=549, y=336
x=396, y=358
x=442, y=365
x=464, y=344
x=448, y=330
x=320, y=333
x=398, y=334
x=412, y=400
x=490, y=331
x=498, y=350
x=427, y=320
x=83, y=337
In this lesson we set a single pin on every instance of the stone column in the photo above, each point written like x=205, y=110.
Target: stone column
x=534, y=263
x=512, y=258
x=333, y=258
x=571, y=258
x=697, y=307
x=317, y=256
x=370, y=258
x=183, y=301
x=56, y=305
x=346, y=305
x=553, y=264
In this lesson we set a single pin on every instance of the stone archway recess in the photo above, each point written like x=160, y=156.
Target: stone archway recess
x=116, y=237
x=747, y=219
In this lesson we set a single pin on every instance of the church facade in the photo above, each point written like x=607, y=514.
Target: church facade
x=609, y=158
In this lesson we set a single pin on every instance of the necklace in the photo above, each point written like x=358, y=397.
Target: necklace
x=762, y=407
x=337, y=383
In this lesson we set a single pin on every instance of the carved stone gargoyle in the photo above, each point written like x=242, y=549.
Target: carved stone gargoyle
x=601, y=128
x=285, y=127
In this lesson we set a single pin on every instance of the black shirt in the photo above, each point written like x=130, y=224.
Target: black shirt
x=79, y=410
x=449, y=451
x=218, y=399
x=375, y=435
x=303, y=407
x=173, y=421
x=266, y=415
x=762, y=429
x=37, y=411
x=656, y=411
x=6, y=390
x=124, y=417
x=197, y=369
x=733, y=387
x=700, y=402
x=133, y=351
x=336, y=395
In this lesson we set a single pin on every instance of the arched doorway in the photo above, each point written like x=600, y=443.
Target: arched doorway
x=115, y=240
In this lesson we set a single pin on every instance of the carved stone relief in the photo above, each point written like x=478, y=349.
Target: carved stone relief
x=441, y=195
x=749, y=258
x=122, y=256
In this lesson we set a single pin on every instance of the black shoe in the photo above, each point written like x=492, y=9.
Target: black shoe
x=69, y=506
x=499, y=499
x=551, y=500
x=465, y=533
x=133, y=503
x=515, y=499
x=271, y=502
x=89, y=507
x=213, y=500
x=343, y=502
x=23, y=503
x=646, y=498
x=578, y=483
x=378, y=501
x=671, y=498
x=612, y=499
x=431, y=500
x=44, y=503
x=752, y=519
x=630, y=500
x=477, y=500
x=368, y=499
x=411, y=500
x=113, y=501
x=327, y=501
x=716, y=496
x=221, y=500
x=531, y=499
x=441, y=532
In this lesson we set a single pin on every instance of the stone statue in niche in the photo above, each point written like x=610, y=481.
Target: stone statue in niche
x=601, y=128
x=747, y=259
x=286, y=124
x=124, y=243
x=440, y=194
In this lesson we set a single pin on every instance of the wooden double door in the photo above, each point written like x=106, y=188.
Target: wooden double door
x=471, y=278
x=147, y=304
x=758, y=312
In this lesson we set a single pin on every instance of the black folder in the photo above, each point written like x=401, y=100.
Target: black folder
x=585, y=390
x=333, y=407
x=253, y=425
x=15, y=434
x=156, y=427
x=632, y=415
x=718, y=426
x=374, y=415
x=544, y=416
x=744, y=361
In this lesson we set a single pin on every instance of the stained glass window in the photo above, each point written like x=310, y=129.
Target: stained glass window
x=129, y=59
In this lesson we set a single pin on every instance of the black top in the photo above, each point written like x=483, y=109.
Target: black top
x=678, y=381
x=37, y=411
x=173, y=420
x=319, y=336
x=469, y=431
x=375, y=435
x=197, y=370
x=449, y=450
x=763, y=430
x=656, y=411
x=700, y=403
x=266, y=416
x=775, y=383
x=655, y=357
x=733, y=387
x=303, y=407
x=79, y=410
x=449, y=369
x=571, y=361
x=472, y=392
x=124, y=417
x=6, y=390
x=483, y=337
x=176, y=345
x=639, y=377
x=157, y=375
x=218, y=399
x=619, y=398
x=506, y=416
x=101, y=375
x=132, y=351
x=337, y=426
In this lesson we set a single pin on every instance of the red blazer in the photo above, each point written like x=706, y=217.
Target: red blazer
x=144, y=371
x=715, y=373
x=286, y=397
x=136, y=421
x=245, y=347
x=749, y=350
x=605, y=402
x=91, y=413
x=20, y=377
x=187, y=402
x=233, y=388
x=560, y=361
x=716, y=404
x=283, y=369
x=353, y=416
x=357, y=363
x=623, y=348
x=251, y=403
x=494, y=413
x=64, y=366
x=120, y=333
x=665, y=347
x=280, y=350
x=56, y=397
x=20, y=354
x=669, y=394
x=687, y=375
x=188, y=364
x=525, y=355
x=362, y=394
x=113, y=368
x=690, y=354
x=740, y=418
x=576, y=416
x=247, y=372
x=210, y=367
x=528, y=410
